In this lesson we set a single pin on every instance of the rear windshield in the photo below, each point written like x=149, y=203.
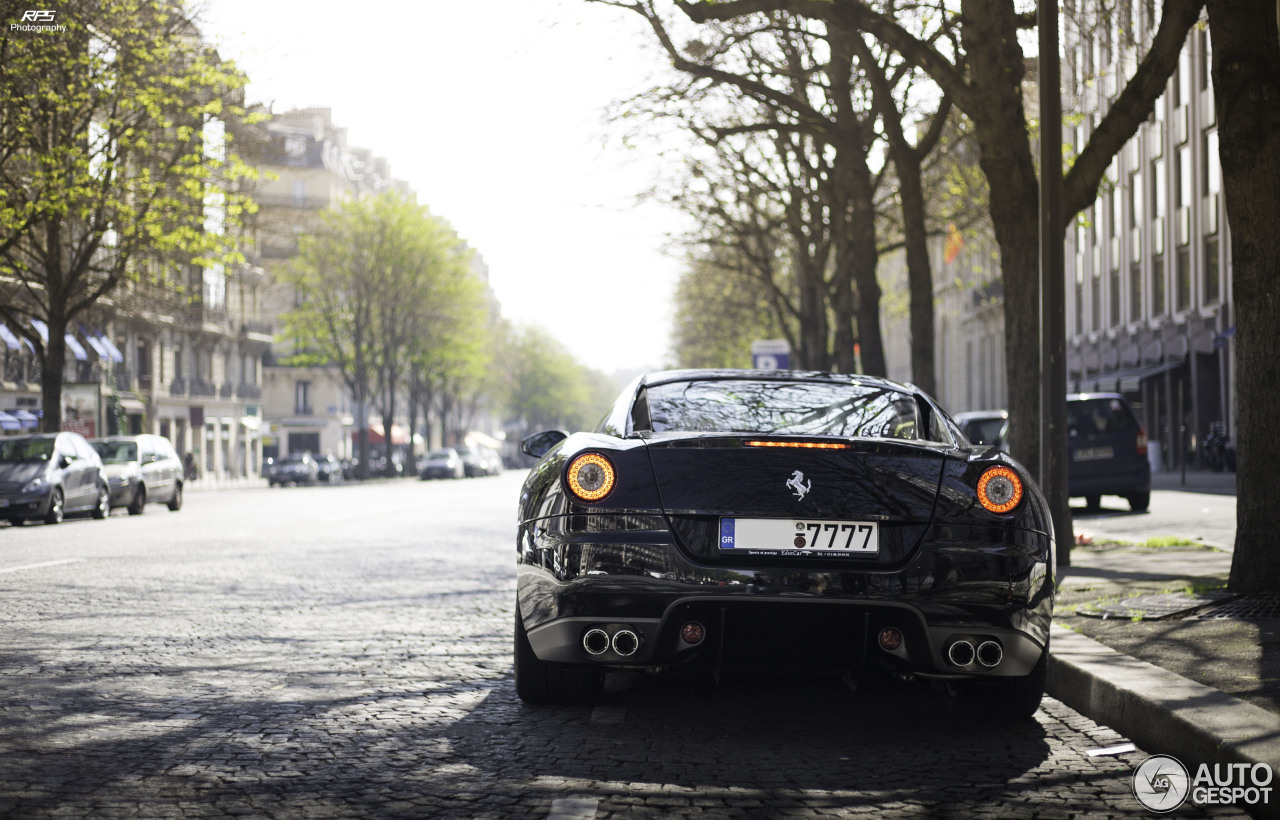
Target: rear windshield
x=26, y=449
x=116, y=452
x=1088, y=416
x=984, y=431
x=792, y=408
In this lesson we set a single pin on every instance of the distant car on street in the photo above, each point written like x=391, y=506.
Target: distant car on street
x=985, y=427
x=443, y=463
x=50, y=475
x=293, y=468
x=329, y=469
x=1107, y=451
x=140, y=470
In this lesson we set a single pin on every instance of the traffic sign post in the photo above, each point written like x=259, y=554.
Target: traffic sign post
x=771, y=354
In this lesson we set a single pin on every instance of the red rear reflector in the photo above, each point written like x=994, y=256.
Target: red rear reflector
x=890, y=639
x=1142, y=442
x=693, y=632
x=803, y=445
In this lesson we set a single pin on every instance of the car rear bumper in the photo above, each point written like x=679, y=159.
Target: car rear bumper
x=790, y=617
x=25, y=506
x=1116, y=480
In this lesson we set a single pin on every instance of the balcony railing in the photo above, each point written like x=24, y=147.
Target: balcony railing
x=178, y=387
x=203, y=389
x=227, y=390
x=249, y=391
x=303, y=203
x=256, y=327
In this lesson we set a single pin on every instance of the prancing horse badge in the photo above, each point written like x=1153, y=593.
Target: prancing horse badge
x=798, y=485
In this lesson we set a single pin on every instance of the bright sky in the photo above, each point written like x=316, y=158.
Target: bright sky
x=493, y=112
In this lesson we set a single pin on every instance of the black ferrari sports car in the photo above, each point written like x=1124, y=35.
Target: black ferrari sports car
x=720, y=520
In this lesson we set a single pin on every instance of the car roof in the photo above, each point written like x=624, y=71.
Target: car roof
x=725, y=374
x=1087, y=396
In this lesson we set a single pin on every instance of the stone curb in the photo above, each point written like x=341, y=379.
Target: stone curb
x=1162, y=712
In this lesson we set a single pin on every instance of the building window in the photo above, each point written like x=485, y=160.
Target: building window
x=302, y=398
x=1184, y=176
x=1138, y=193
x=1079, y=296
x=1183, y=292
x=144, y=365
x=1114, y=307
x=1095, y=300
x=1157, y=285
x=1135, y=292
x=1212, y=281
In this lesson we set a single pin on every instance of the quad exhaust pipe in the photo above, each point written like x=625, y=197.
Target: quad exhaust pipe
x=624, y=642
x=988, y=654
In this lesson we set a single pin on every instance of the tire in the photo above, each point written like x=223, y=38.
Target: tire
x=103, y=508
x=17, y=521
x=55, y=513
x=139, y=502
x=543, y=682
x=1012, y=699
x=1139, y=502
x=1093, y=502
x=175, y=503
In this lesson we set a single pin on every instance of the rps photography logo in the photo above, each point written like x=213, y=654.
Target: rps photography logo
x=38, y=20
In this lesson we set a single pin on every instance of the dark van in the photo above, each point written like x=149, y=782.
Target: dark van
x=1107, y=448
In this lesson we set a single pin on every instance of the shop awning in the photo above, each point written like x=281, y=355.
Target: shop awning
x=8, y=422
x=398, y=434
x=73, y=344
x=105, y=349
x=1125, y=380
x=26, y=418
x=9, y=337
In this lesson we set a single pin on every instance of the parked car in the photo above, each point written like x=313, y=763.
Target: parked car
x=293, y=468
x=329, y=469
x=479, y=461
x=492, y=461
x=50, y=475
x=985, y=427
x=444, y=463
x=774, y=521
x=1107, y=450
x=140, y=470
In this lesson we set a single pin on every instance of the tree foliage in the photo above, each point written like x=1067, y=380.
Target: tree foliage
x=546, y=388
x=115, y=165
x=385, y=287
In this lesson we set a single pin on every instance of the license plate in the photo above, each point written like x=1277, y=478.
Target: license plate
x=1094, y=453
x=796, y=535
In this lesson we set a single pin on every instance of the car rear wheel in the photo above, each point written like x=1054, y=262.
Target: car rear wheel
x=175, y=503
x=139, y=502
x=103, y=508
x=542, y=682
x=1139, y=502
x=54, y=515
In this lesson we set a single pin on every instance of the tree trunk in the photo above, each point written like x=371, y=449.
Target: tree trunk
x=1246, y=83
x=919, y=270
x=1000, y=128
x=55, y=360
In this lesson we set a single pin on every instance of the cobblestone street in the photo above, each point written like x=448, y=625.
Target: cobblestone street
x=346, y=652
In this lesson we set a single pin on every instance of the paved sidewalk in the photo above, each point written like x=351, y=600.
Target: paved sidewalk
x=1201, y=689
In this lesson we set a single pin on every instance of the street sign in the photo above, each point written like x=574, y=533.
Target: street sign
x=771, y=354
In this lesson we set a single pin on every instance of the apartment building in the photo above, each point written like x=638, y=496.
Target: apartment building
x=1148, y=280
x=183, y=362
x=311, y=169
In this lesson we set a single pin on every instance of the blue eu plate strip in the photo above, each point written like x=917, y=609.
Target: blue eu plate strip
x=726, y=533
